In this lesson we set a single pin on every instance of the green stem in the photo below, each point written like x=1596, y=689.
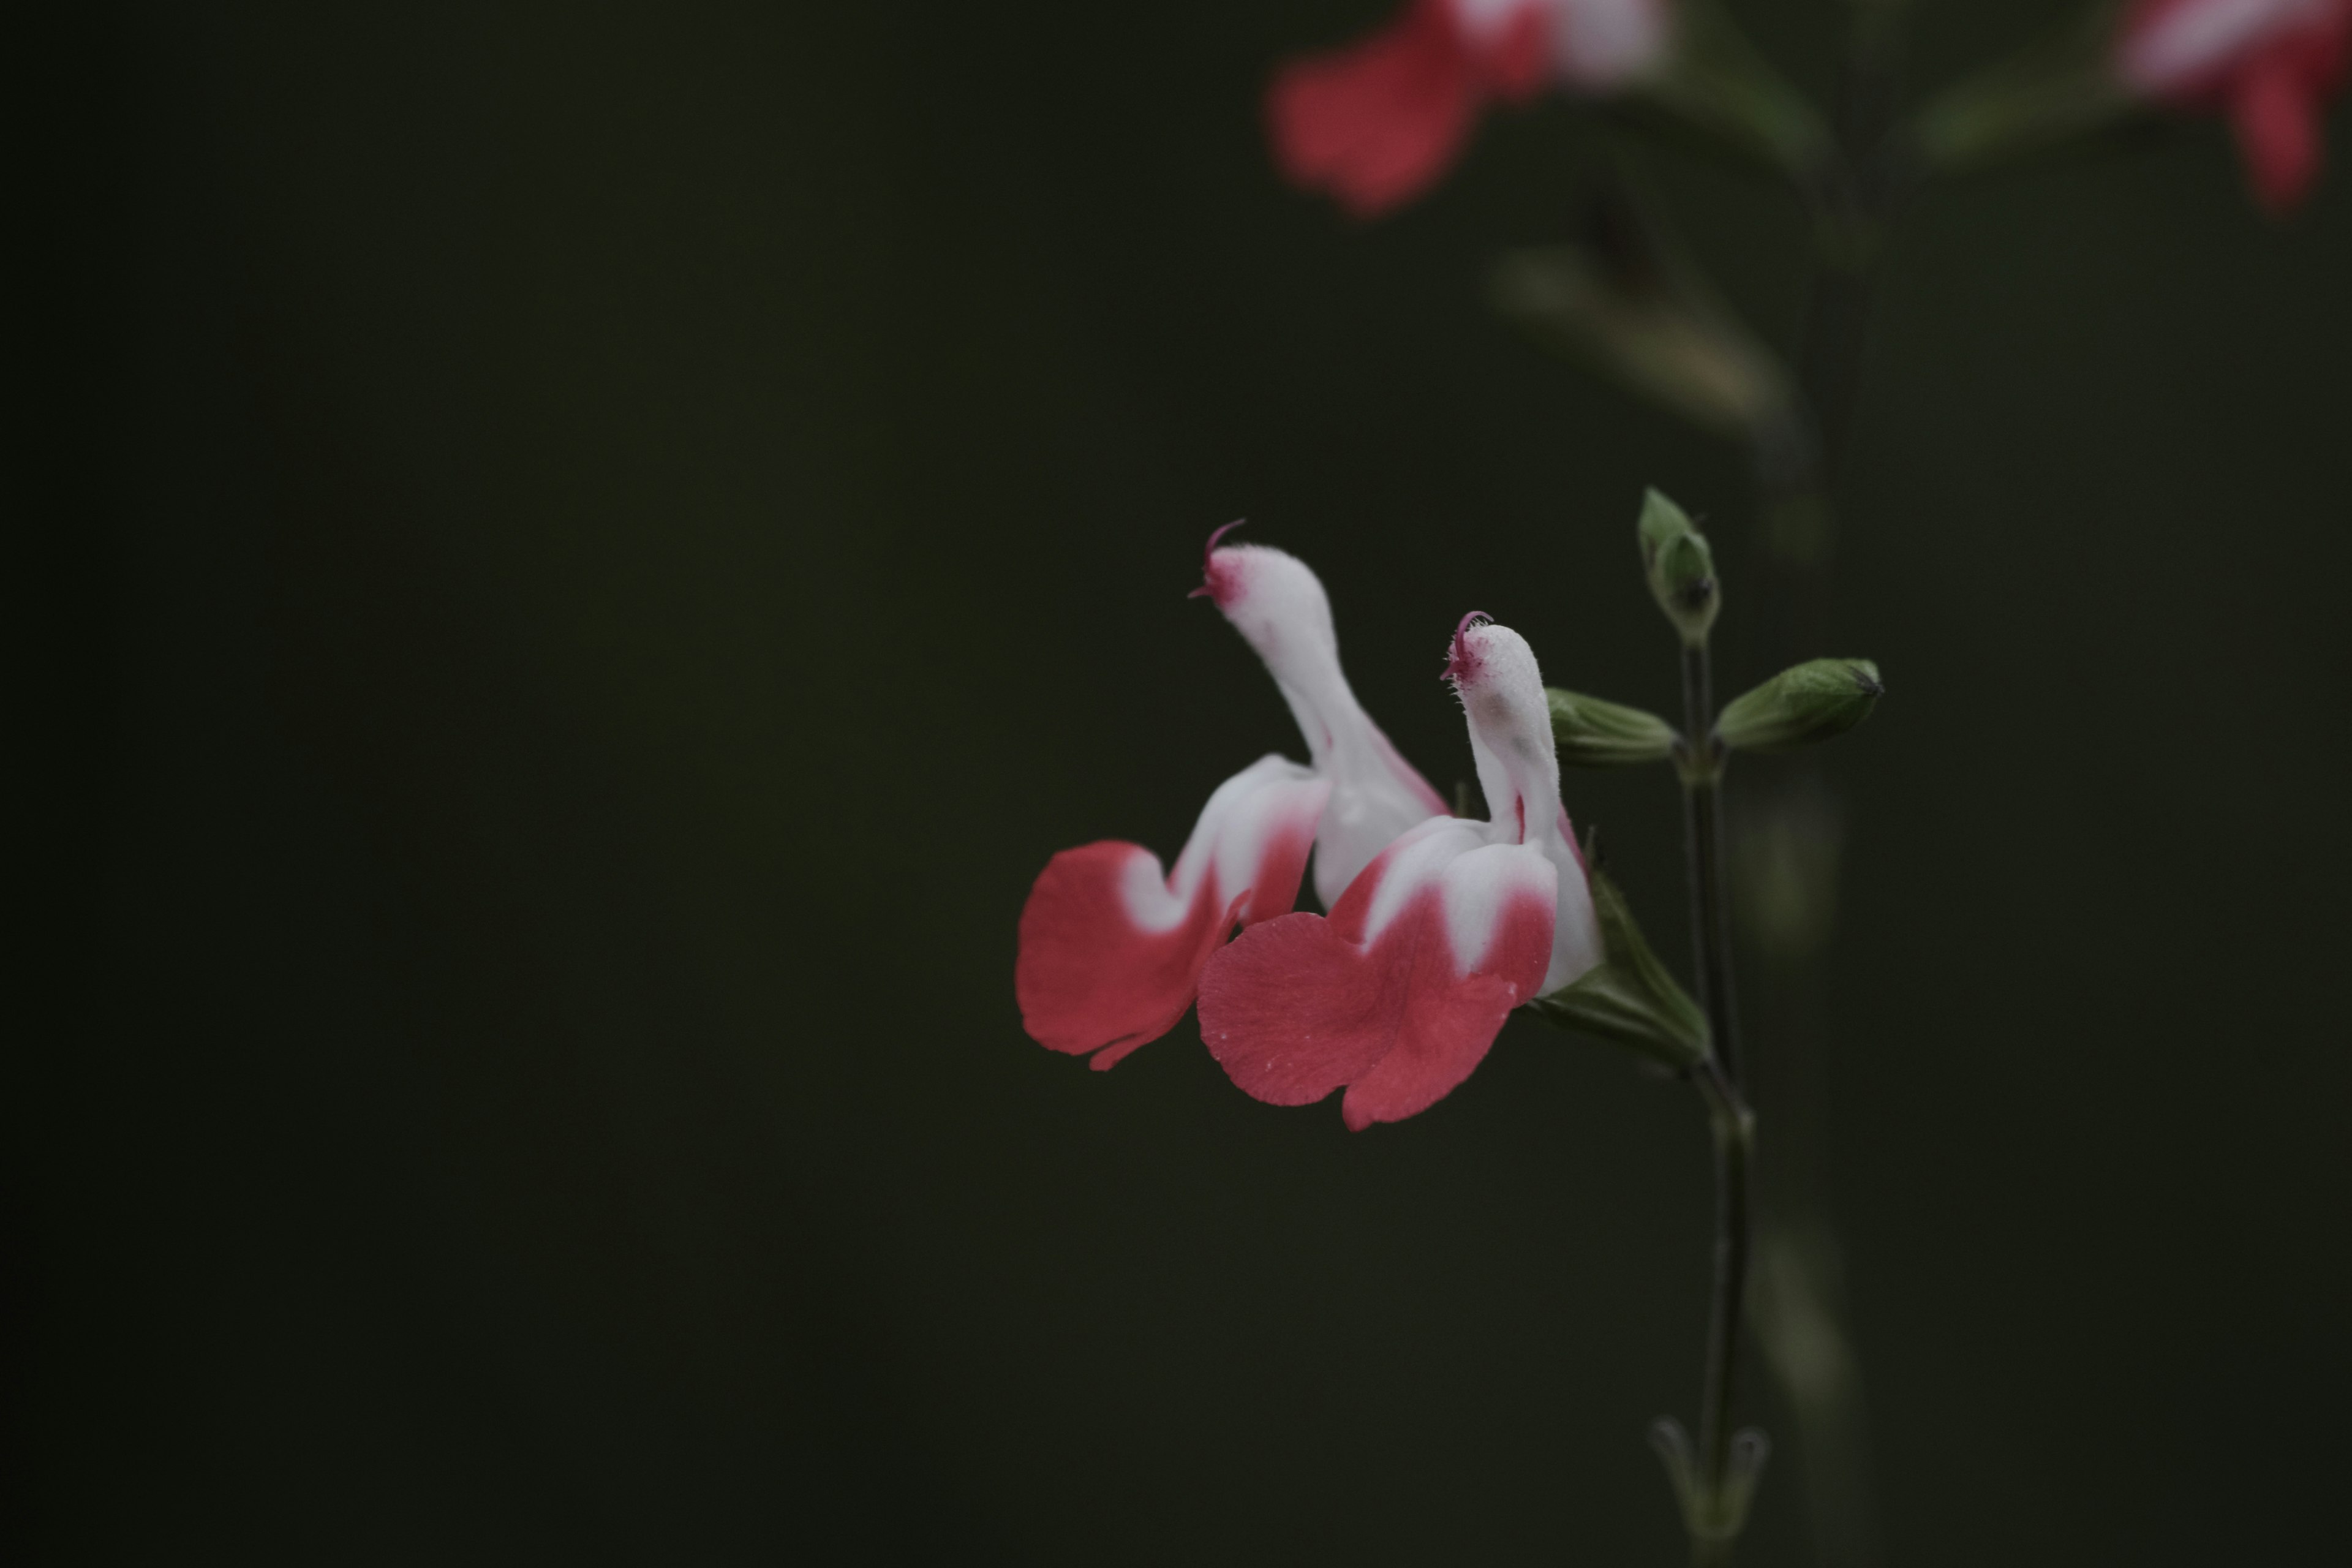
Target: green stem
x=1702, y=770
x=1734, y=1126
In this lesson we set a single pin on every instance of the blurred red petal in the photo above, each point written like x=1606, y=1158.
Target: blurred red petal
x=1376, y=122
x=1518, y=64
x=2277, y=121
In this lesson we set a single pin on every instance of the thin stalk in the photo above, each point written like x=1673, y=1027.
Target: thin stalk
x=1734, y=1126
x=1735, y=1142
x=1800, y=1311
x=1853, y=206
x=1702, y=771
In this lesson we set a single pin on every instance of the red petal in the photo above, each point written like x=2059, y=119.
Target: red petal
x=1297, y=1007
x=1086, y=976
x=1091, y=975
x=1298, y=1011
x=1376, y=122
x=2272, y=108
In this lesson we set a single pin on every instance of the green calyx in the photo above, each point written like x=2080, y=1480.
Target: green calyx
x=1590, y=732
x=1680, y=566
x=1630, y=997
x=1719, y=1513
x=1818, y=700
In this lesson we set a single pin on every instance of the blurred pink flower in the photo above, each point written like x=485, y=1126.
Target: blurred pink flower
x=1377, y=121
x=2269, y=64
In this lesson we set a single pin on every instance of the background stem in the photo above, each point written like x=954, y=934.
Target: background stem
x=1793, y=820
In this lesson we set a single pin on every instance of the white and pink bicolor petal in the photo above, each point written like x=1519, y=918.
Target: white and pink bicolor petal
x=1589, y=46
x=1398, y=995
x=2177, y=48
x=1493, y=671
x=2269, y=65
x=1279, y=607
x=1111, y=951
x=1378, y=122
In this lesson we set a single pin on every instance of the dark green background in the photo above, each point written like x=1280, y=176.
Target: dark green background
x=609, y=544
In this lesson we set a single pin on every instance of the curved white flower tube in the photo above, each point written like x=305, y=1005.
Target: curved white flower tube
x=1378, y=122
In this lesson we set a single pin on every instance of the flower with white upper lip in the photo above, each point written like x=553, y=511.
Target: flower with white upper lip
x=1377, y=121
x=1111, y=949
x=1398, y=994
x=2269, y=65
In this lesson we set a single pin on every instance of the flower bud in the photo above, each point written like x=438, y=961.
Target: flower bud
x=1681, y=568
x=1591, y=734
x=1810, y=702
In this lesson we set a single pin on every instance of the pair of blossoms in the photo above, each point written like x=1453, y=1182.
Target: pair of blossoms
x=1438, y=926
x=1377, y=123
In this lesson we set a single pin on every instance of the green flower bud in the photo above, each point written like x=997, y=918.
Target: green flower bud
x=1815, y=701
x=1681, y=568
x=1591, y=734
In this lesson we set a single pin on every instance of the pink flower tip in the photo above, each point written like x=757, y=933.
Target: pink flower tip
x=1217, y=580
x=1462, y=663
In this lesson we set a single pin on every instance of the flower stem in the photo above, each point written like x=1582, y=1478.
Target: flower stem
x=1720, y=1494
x=1734, y=1126
x=1702, y=774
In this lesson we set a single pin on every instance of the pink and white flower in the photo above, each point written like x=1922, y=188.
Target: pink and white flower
x=1111, y=948
x=2269, y=65
x=1399, y=992
x=1376, y=122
